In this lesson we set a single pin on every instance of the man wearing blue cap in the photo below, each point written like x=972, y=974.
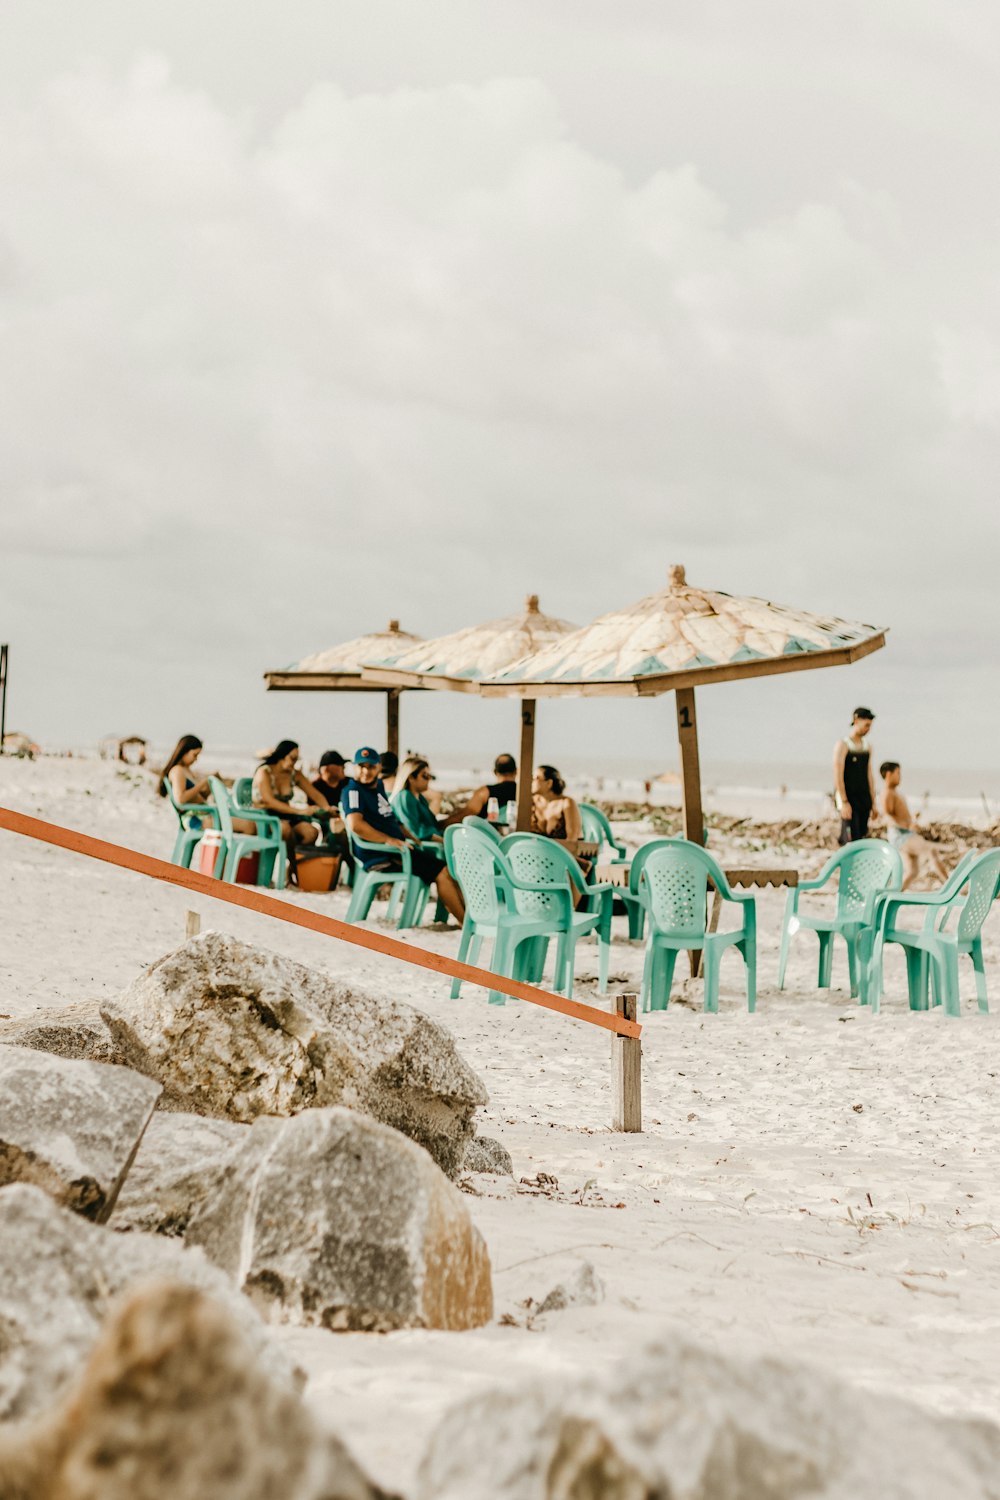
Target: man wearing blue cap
x=369, y=816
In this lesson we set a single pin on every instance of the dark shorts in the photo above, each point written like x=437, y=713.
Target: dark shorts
x=856, y=827
x=427, y=867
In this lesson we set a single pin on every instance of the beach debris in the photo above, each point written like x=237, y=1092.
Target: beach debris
x=236, y=1032
x=179, y=1162
x=687, y=1422
x=70, y=1128
x=582, y=1287
x=74, y=1031
x=58, y=1277
x=173, y=1405
x=484, y=1154
x=334, y=1220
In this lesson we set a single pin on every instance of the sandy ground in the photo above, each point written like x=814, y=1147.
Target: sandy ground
x=811, y=1180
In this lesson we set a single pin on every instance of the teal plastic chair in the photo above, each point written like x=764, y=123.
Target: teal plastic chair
x=865, y=868
x=933, y=949
x=941, y=906
x=541, y=863
x=481, y=826
x=267, y=842
x=490, y=889
x=243, y=791
x=597, y=830
x=670, y=877
x=405, y=885
x=192, y=820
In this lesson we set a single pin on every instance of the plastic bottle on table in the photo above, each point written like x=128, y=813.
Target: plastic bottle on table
x=493, y=811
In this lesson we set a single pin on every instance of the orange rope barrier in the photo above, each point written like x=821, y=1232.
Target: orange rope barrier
x=269, y=906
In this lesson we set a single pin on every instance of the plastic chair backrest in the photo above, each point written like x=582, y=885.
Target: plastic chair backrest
x=538, y=861
x=481, y=826
x=673, y=874
x=866, y=866
x=475, y=861
x=984, y=880
x=596, y=828
x=243, y=791
x=187, y=809
x=220, y=796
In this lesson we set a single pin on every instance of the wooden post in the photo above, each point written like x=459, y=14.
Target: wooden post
x=694, y=818
x=626, y=1071
x=192, y=924
x=4, y=652
x=525, y=764
x=392, y=721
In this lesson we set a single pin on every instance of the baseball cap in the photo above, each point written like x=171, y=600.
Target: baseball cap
x=331, y=758
x=863, y=713
x=366, y=756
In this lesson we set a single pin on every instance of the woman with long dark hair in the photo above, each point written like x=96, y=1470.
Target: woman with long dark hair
x=176, y=774
x=275, y=783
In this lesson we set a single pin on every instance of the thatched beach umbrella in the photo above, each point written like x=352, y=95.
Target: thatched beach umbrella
x=675, y=641
x=338, y=670
x=459, y=662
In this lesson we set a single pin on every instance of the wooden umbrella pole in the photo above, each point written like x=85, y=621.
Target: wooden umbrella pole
x=525, y=764
x=694, y=820
x=392, y=721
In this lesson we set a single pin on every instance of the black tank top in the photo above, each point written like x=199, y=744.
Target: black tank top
x=856, y=775
x=503, y=791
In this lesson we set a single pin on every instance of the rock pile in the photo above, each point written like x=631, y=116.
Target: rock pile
x=236, y=1032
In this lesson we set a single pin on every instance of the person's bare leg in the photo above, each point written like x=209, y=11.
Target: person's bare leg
x=911, y=863
x=929, y=857
x=244, y=825
x=451, y=896
x=307, y=833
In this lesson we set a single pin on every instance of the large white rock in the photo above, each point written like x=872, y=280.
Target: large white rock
x=237, y=1032
x=173, y=1405
x=684, y=1423
x=58, y=1278
x=179, y=1163
x=332, y=1219
x=74, y=1031
x=71, y=1128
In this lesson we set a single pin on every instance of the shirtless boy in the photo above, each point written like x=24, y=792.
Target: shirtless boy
x=902, y=834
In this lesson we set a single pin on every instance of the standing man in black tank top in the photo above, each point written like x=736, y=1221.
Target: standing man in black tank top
x=853, y=779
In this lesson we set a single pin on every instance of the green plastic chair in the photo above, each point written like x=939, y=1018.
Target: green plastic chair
x=865, y=868
x=670, y=877
x=481, y=826
x=939, y=913
x=542, y=863
x=192, y=820
x=405, y=885
x=266, y=842
x=490, y=889
x=597, y=830
x=933, y=950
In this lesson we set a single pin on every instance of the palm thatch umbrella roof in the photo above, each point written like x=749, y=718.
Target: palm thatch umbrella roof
x=338, y=670
x=683, y=637
x=459, y=662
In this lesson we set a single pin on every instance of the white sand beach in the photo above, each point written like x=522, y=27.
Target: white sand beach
x=811, y=1180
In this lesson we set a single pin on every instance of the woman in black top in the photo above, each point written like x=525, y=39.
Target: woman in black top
x=854, y=781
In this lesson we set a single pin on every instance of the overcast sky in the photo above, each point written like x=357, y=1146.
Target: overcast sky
x=329, y=312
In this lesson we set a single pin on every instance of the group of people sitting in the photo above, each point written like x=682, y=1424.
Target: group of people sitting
x=379, y=810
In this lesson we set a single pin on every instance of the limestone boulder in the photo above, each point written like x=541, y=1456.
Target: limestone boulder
x=173, y=1405
x=332, y=1219
x=687, y=1423
x=236, y=1032
x=72, y=1031
x=179, y=1163
x=486, y=1155
x=58, y=1278
x=71, y=1128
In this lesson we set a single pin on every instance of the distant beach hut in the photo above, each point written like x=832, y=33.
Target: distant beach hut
x=462, y=661
x=338, y=670
x=674, y=641
x=21, y=746
x=130, y=748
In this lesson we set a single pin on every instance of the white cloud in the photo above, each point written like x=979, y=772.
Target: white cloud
x=312, y=373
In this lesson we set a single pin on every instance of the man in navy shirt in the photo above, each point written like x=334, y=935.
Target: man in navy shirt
x=369, y=816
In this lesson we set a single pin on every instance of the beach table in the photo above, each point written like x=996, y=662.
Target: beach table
x=746, y=876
